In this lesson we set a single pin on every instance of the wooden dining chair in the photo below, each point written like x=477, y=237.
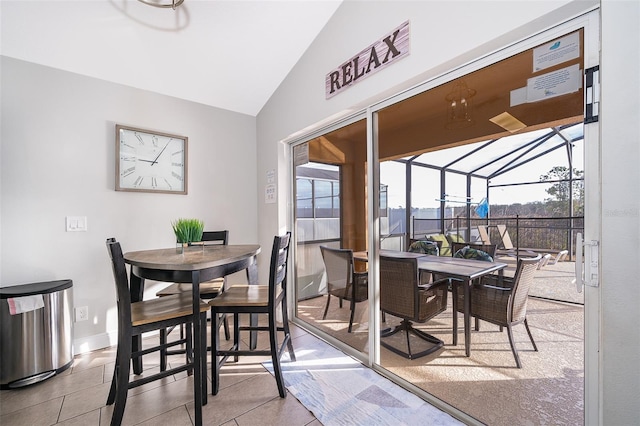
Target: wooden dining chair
x=142, y=317
x=255, y=299
x=208, y=289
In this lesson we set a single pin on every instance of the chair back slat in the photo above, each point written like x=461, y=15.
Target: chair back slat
x=278, y=268
x=215, y=237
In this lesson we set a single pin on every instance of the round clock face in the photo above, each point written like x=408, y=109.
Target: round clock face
x=150, y=161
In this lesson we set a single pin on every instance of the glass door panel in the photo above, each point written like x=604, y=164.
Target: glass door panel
x=330, y=192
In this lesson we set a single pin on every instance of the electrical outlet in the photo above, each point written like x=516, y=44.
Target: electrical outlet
x=82, y=313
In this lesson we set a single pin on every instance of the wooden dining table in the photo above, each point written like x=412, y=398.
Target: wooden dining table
x=464, y=271
x=193, y=264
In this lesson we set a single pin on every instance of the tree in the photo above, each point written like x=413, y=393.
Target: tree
x=559, y=190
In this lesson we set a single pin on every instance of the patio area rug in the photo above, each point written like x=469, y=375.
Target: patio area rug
x=339, y=390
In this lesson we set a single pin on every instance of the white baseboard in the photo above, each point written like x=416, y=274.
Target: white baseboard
x=98, y=341
x=95, y=342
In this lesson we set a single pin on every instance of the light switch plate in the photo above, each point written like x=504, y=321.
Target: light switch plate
x=76, y=223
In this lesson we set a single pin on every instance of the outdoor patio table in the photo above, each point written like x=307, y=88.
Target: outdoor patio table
x=465, y=270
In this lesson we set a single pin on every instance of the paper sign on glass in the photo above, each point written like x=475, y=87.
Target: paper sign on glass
x=556, y=83
x=556, y=52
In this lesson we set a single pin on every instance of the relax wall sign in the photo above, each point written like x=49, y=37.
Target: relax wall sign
x=380, y=54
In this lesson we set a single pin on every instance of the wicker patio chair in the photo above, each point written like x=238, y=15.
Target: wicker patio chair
x=490, y=249
x=503, y=301
x=402, y=296
x=343, y=281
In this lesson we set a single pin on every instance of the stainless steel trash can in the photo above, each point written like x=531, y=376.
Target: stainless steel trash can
x=37, y=342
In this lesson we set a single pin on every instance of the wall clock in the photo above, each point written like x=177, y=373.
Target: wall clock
x=150, y=161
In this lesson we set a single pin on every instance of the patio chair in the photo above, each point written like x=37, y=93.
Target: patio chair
x=559, y=257
x=484, y=234
x=343, y=281
x=543, y=261
x=402, y=296
x=503, y=301
x=490, y=249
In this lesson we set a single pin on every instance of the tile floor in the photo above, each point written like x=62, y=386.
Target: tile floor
x=78, y=395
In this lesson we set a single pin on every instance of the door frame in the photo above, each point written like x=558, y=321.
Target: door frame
x=590, y=22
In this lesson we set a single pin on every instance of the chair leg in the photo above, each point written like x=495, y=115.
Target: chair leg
x=189, y=347
x=114, y=379
x=215, y=345
x=513, y=346
x=273, y=341
x=236, y=334
x=285, y=328
x=227, y=335
x=122, y=381
x=353, y=312
x=326, y=308
x=526, y=325
x=163, y=352
x=203, y=355
x=407, y=327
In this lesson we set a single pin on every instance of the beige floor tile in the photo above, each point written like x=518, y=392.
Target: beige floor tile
x=45, y=413
x=55, y=387
x=84, y=401
x=176, y=417
x=154, y=402
x=279, y=411
x=93, y=359
x=238, y=399
x=87, y=419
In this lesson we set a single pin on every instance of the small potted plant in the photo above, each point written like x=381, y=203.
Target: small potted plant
x=187, y=231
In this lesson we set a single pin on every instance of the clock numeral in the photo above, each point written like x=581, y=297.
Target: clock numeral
x=168, y=184
x=176, y=164
x=139, y=138
x=126, y=144
x=128, y=171
x=177, y=176
x=138, y=181
x=153, y=182
x=128, y=157
x=178, y=152
x=154, y=140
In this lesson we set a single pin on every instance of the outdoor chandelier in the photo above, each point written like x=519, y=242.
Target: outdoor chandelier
x=460, y=107
x=164, y=4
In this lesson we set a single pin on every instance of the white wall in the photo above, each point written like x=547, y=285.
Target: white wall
x=57, y=157
x=445, y=35
x=442, y=37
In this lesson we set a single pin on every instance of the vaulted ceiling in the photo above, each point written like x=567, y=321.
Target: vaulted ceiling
x=230, y=54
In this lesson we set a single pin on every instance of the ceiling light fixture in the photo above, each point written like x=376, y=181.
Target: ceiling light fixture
x=508, y=122
x=158, y=3
x=460, y=106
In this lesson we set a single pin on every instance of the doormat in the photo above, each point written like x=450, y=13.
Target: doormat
x=339, y=390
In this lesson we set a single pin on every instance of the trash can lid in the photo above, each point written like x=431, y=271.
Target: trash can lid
x=34, y=288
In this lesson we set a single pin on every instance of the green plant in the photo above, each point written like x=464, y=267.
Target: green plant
x=188, y=230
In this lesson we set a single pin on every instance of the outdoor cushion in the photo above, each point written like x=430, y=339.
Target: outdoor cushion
x=455, y=238
x=471, y=253
x=445, y=249
x=424, y=247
